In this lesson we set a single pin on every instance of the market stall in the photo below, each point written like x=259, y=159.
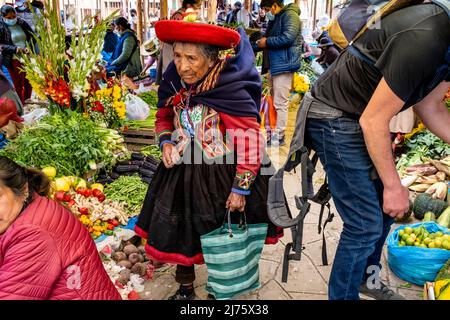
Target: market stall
x=419, y=250
x=77, y=131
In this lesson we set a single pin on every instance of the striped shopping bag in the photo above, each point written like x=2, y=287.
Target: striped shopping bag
x=232, y=254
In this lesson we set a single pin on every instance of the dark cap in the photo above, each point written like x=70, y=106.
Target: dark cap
x=324, y=42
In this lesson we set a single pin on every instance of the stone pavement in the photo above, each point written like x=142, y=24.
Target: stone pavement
x=308, y=278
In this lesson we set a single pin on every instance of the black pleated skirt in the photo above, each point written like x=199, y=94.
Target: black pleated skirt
x=188, y=201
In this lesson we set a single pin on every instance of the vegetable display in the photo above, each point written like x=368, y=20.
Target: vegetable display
x=148, y=123
x=152, y=151
x=129, y=190
x=422, y=144
x=150, y=97
x=425, y=203
x=68, y=142
x=420, y=237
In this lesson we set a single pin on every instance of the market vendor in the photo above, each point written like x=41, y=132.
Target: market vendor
x=150, y=49
x=202, y=96
x=7, y=90
x=15, y=36
x=45, y=252
x=125, y=58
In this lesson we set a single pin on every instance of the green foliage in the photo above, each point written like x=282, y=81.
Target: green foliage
x=67, y=142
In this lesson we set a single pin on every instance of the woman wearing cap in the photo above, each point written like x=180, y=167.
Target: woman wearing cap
x=201, y=98
x=149, y=49
x=15, y=35
x=126, y=58
x=329, y=52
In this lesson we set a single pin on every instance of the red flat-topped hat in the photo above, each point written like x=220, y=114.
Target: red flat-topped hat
x=171, y=31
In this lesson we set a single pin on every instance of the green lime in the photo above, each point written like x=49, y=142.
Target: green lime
x=410, y=241
x=431, y=245
x=426, y=241
x=417, y=244
x=401, y=233
x=438, y=243
x=401, y=244
x=446, y=244
x=439, y=233
x=423, y=246
x=408, y=230
x=417, y=231
x=405, y=236
x=413, y=236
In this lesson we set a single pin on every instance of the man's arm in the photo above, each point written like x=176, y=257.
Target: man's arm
x=374, y=121
x=434, y=113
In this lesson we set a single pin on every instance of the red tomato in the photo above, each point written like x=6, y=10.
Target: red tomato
x=115, y=223
x=110, y=227
x=59, y=196
x=81, y=191
x=67, y=197
x=87, y=193
x=101, y=197
x=96, y=192
x=71, y=203
x=83, y=210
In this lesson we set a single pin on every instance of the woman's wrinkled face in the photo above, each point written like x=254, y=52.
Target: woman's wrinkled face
x=191, y=62
x=10, y=207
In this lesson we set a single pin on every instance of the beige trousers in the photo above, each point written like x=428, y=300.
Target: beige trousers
x=281, y=86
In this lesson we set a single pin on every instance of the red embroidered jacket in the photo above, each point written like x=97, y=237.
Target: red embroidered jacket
x=242, y=136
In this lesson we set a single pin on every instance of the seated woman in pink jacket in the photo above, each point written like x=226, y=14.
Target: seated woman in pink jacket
x=45, y=252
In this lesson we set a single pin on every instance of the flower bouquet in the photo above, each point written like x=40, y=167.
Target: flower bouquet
x=53, y=73
x=107, y=106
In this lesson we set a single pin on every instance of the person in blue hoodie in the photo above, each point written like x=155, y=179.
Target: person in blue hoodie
x=283, y=41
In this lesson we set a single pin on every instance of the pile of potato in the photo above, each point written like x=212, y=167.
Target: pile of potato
x=132, y=258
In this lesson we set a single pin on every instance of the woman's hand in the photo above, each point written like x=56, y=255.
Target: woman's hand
x=170, y=155
x=236, y=202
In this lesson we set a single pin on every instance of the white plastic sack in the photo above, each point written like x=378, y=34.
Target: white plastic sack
x=317, y=67
x=35, y=115
x=137, y=109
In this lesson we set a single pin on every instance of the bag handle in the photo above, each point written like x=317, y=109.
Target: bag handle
x=242, y=222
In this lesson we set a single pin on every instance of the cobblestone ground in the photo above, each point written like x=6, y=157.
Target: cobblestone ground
x=308, y=278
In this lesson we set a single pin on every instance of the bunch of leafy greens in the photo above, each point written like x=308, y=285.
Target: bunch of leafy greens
x=150, y=97
x=423, y=144
x=68, y=142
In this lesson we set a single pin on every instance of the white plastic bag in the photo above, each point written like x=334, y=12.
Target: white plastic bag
x=137, y=109
x=317, y=68
x=35, y=115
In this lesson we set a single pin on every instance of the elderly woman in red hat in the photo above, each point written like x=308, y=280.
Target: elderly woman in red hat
x=208, y=129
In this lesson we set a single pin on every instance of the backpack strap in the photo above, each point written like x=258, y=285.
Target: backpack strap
x=324, y=242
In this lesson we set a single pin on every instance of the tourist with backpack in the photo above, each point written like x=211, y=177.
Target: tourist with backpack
x=126, y=57
x=402, y=62
x=283, y=41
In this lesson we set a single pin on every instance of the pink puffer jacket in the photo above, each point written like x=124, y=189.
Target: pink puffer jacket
x=48, y=254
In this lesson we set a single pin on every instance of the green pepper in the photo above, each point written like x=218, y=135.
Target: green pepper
x=109, y=232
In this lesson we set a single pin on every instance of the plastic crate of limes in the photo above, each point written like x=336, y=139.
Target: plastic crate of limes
x=418, y=251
